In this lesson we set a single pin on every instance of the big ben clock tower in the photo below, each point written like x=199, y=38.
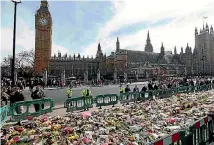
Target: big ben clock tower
x=43, y=39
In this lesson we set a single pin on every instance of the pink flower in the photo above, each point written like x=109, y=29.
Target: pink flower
x=16, y=138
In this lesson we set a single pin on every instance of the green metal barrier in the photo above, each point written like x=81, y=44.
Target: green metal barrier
x=4, y=110
x=173, y=139
x=78, y=103
x=160, y=93
x=126, y=98
x=182, y=89
x=106, y=100
x=17, y=113
x=201, y=132
x=149, y=94
x=172, y=91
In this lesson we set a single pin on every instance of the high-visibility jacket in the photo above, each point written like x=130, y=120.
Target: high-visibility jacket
x=84, y=93
x=122, y=90
x=69, y=92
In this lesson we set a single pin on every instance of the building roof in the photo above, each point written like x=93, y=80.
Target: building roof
x=141, y=56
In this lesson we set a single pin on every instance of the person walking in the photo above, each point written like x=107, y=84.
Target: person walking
x=37, y=94
x=137, y=95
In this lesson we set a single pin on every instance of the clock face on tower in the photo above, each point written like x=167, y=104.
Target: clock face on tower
x=43, y=21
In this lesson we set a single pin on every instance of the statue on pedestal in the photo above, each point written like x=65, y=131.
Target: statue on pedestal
x=115, y=75
x=86, y=76
x=45, y=77
x=63, y=77
x=98, y=75
x=125, y=76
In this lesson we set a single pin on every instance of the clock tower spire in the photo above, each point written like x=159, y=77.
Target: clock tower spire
x=43, y=38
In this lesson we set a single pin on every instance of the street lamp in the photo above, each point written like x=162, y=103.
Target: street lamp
x=14, y=41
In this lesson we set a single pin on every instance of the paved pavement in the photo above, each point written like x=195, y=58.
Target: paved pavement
x=59, y=95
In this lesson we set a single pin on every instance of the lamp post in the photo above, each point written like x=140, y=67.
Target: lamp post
x=14, y=42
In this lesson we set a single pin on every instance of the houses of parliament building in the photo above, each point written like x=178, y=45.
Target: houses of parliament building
x=122, y=62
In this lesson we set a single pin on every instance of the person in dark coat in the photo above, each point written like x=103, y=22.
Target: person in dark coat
x=17, y=96
x=37, y=94
x=155, y=87
x=127, y=89
x=150, y=86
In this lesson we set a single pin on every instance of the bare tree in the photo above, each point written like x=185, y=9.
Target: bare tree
x=24, y=61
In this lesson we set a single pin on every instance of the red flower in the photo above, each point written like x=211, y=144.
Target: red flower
x=29, y=118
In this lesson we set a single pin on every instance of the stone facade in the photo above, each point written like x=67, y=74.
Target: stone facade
x=77, y=65
x=43, y=38
x=203, y=54
x=142, y=64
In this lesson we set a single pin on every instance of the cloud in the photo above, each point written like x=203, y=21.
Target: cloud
x=184, y=15
x=25, y=40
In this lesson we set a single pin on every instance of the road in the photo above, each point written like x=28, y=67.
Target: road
x=59, y=95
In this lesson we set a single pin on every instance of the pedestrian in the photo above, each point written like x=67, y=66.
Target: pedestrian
x=136, y=96
x=31, y=87
x=136, y=89
x=4, y=97
x=16, y=96
x=127, y=89
x=155, y=87
x=37, y=94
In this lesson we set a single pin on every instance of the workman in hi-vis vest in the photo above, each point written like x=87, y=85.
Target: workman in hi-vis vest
x=69, y=92
x=86, y=94
x=122, y=90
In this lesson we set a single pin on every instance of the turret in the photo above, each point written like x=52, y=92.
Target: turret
x=117, y=45
x=74, y=57
x=79, y=56
x=182, y=50
x=187, y=49
x=211, y=29
x=175, y=51
x=99, y=47
x=196, y=31
x=59, y=54
x=148, y=47
x=207, y=27
x=99, y=51
x=162, y=49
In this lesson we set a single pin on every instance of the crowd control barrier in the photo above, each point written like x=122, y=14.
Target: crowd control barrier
x=4, y=110
x=201, y=132
x=78, y=103
x=173, y=139
x=106, y=100
x=125, y=98
x=17, y=113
